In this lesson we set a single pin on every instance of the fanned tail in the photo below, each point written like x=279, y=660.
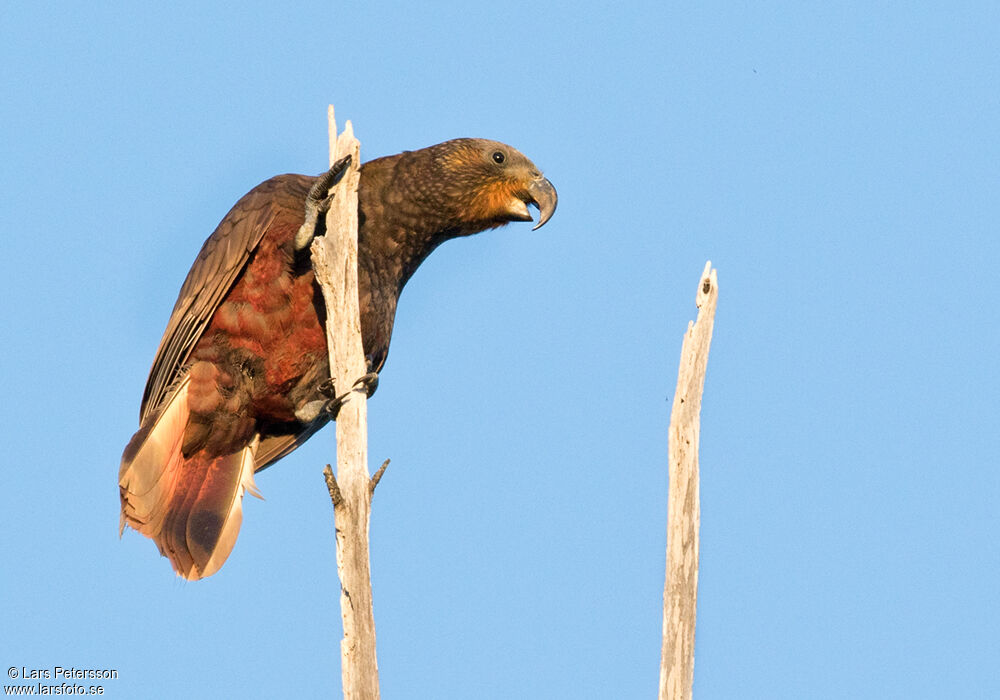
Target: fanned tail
x=191, y=507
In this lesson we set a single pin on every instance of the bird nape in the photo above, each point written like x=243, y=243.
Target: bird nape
x=240, y=376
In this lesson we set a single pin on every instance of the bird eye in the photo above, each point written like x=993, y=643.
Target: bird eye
x=499, y=157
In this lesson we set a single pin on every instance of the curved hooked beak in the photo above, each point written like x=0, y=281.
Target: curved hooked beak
x=543, y=195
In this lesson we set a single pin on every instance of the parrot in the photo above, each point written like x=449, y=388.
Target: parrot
x=241, y=376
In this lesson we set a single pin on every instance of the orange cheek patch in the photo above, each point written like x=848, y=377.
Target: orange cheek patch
x=490, y=202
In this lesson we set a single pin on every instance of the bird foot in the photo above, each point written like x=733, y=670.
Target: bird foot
x=327, y=389
x=369, y=383
x=318, y=201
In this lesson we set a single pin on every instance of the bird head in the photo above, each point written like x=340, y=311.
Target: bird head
x=482, y=184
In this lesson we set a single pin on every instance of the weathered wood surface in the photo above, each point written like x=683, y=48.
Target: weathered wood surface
x=680, y=590
x=335, y=261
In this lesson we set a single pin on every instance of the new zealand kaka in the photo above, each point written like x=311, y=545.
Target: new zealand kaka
x=241, y=366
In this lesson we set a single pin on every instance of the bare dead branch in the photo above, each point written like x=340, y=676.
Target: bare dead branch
x=377, y=476
x=331, y=485
x=335, y=262
x=680, y=590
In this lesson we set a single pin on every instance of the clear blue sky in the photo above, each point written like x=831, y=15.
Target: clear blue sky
x=839, y=164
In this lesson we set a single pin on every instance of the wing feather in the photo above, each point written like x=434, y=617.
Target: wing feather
x=221, y=260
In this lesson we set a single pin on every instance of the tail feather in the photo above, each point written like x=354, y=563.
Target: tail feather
x=216, y=535
x=205, y=513
x=191, y=507
x=151, y=465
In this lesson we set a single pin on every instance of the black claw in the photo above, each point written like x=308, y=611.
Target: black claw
x=369, y=383
x=334, y=405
